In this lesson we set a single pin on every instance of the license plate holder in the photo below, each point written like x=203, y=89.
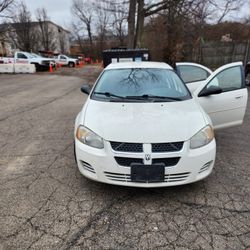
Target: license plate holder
x=147, y=173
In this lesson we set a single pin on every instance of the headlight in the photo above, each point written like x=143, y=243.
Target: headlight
x=88, y=137
x=202, y=138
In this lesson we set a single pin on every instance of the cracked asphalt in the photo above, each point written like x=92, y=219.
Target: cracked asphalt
x=46, y=204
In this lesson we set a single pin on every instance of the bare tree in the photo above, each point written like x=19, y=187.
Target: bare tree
x=46, y=32
x=62, y=42
x=223, y=7
x=83, y=10
x=131, y=23
x=5, y=6
x=141, y=9
x=5, y=12
x=117, y=13
x=182, y=20
x=119, y=23
x=24, y=36
x=77, y=35
x=213, y=10
x=140, y=23
x=102, y=25
x=138, y=11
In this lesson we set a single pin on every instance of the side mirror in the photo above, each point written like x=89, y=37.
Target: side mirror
x=212, y=90
x=86, y=89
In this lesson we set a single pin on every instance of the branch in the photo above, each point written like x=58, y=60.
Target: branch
x=5, y=4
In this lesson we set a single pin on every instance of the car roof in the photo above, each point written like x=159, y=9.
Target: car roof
x=129, y=65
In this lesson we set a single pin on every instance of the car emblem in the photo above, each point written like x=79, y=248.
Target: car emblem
x=147, y=157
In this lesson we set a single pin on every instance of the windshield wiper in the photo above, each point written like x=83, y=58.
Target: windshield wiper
x=154, y=97
x=108, y=94
x=141, y=97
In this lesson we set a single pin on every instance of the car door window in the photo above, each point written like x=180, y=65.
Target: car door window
x=21, y=56
x=228, y=79
x=228, y=108
x=190, y=73
x=63, y=57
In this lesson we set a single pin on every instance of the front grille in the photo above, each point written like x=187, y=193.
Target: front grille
x=121, y=177
x=126, y=162
x=138, y=147
x=167, y=147
x=127, y=147
x=118, y=177
x=176, y=177
x=168, y=162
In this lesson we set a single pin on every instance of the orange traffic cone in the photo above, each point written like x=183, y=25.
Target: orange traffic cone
x=50, y=68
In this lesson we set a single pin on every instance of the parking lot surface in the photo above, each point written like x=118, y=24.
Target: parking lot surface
x=46, y=204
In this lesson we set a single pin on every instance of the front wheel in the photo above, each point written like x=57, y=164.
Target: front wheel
x=71, y=64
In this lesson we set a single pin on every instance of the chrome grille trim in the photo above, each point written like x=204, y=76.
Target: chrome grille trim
x=127, y=177
x=138, y=147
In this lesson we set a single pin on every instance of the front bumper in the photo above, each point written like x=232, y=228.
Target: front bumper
x=100, y=165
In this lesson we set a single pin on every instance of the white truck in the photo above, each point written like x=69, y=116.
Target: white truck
x=41, y=63
x=6, y=60
x=66, y=61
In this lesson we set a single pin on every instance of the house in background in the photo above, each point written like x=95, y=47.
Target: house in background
x=5, y=44
x=33, y=37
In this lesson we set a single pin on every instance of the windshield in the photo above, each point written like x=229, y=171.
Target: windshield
x=35, y=55
x=28, y=55
x=140, y=84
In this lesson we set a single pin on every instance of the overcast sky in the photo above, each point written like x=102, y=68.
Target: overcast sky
x=59, y=10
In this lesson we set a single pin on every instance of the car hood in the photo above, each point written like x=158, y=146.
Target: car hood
x=144, y=122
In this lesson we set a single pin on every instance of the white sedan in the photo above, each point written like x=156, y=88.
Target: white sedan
x=142, y=126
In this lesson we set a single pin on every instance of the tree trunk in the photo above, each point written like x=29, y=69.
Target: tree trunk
x=140, y=24
x=131, y=24
x=89, y=34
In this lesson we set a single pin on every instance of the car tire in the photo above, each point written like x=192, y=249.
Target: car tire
x=71, y=64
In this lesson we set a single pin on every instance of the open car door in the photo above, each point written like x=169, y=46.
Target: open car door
x=224, y=96
x=192, y=74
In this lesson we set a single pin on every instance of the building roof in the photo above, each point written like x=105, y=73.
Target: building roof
x=3, y=27
x=129, y=65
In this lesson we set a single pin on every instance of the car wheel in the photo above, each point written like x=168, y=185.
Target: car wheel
x=71, y=64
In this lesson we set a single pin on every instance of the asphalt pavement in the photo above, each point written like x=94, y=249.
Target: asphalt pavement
x=45, y=203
